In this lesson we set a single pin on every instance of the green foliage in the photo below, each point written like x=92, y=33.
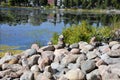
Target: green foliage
x=84, y=32
x=55, y=38
x=5, y=4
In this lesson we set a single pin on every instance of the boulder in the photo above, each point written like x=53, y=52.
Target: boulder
x=48, y=48
x=91, y=55
x=75, y=51
x=94, y=75
x=88, y=66
x=75, y=45
x=27, y=75
x=75, y=74
x=33, y=60
x=110, y=60
x=35, y=46
x=35, y=68
x=114, y=53
x=6, y=58
x=29, y=52
x=115, y=47
x=104, y=49
x=113, y=43
x=48, y=54
x=13, y=67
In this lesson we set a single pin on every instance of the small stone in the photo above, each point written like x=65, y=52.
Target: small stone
x=114, y=53
x=35, y=68
x=82, y=58
x=104, y=49
x=49, y=69
x=113, y=43
x=75, y=51
x=75, y=74
x=48, y=48
x=55, y=65
x=100, y=62
x=13, y=61
x=47, y=74
x=88, y=66
x=29, y=52
x=91, y=55
x=27, y=75
x=115, y=47
x=75, y=45
x=35, y=46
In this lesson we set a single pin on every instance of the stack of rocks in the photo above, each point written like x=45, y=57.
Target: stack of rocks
x=82, y=61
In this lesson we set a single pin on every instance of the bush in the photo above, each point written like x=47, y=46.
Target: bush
x=5, y=4
x=84, y=32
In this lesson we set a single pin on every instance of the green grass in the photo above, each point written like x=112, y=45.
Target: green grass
x=11, y=49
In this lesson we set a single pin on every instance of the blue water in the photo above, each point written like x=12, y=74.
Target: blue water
x=22, y=27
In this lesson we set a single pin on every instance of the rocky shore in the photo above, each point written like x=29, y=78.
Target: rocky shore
x=79, y=61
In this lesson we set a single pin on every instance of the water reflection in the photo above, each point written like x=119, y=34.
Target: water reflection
x=25, y=26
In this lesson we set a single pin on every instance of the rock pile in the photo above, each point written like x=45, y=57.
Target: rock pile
x=79, y=61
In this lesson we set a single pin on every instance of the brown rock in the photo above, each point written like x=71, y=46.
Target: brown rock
x=75, y=51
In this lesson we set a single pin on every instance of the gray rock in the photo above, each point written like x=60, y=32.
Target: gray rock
x=75, y=74
x=75, y=51
x=48, y=54
x=55, y=65
x=115, y=47
x=73, y=66
x=63, y=78
x=48, y=48
x=88, y=66
x=81, y=59
x=33, y=60
x=27, y=75
x=35, y=68
x=49, y=69
x=5, y=72
x=82, y=44
x=35, y=46
x=47, y=74
x=6, y=58
x=29, y=52
x=111, y=72
x=94, y=75
x=75, y=45
x=113, y=43
x=104, y=49
x=91, y=55
x=114, y=53
x=109, y=60
x=86, y=48
x=69, y=59
x=13, y=67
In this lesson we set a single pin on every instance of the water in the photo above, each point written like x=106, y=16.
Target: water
x=22, y=27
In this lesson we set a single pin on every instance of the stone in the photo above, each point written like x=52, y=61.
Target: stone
x=29, y=52
x=5, y=72
x=110, y=60
x=35, y=68
x=92, y=40
x=91, y=55
x=88, y=66
x=49, y=69
x=35, y=46
x=82, y=44
x=75, y=45
x=63, y=78
x=6, y=58
x=48, y=48
x=13, y=67
x=94, y=75
x=47, y=74
x=33, y=60
x=100, y=62
x=13, y=61
x=81, y=59
x=55, y=65
x=69, y=59
x=86, y=48
x=43, y=62
x=113, y=43
x=115, y=47
x=24, y=62
x=75, y=51
x=27, y=75
x=75, y=74
x=59, y=54
x=114, y=53
x=48, y=54
x=73, y=66
x=111, y=72
x=104, y=49
x=42, y=77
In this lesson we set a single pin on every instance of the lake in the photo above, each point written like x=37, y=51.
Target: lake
x=22, y=27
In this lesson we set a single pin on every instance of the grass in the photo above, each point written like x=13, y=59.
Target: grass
x=11, y=49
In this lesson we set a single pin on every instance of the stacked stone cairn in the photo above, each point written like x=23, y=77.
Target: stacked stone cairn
x=78, y=61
